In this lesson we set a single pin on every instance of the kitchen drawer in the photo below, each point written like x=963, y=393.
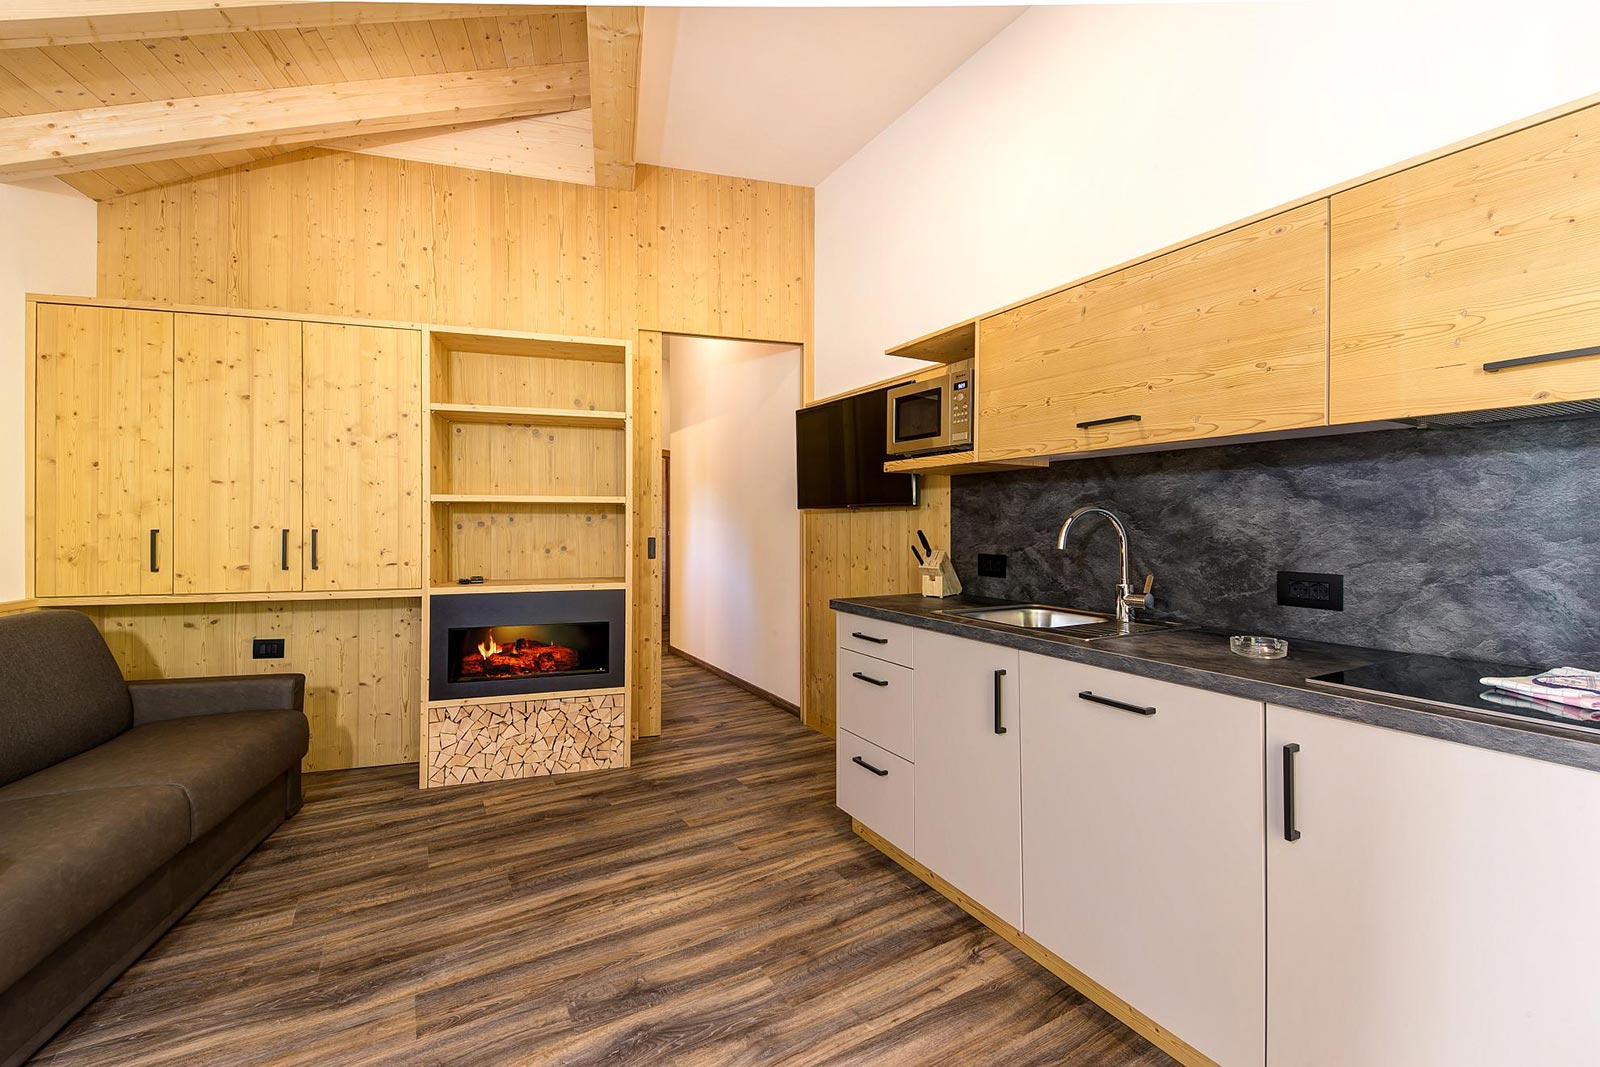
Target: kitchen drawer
x=875, y=702
x=880, y=640
x=877, y=787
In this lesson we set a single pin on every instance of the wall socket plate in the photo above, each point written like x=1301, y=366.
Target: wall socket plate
x=1308, y=589
x=266, y=648
x=991, y=565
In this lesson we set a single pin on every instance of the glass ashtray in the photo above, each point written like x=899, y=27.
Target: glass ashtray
x=1259, y=647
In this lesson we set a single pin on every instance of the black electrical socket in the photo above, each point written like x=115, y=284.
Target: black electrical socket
x=1305, y=589
x=991, y=565
x=267, y=648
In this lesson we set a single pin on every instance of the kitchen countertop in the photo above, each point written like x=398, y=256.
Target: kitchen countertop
x=1197, y=658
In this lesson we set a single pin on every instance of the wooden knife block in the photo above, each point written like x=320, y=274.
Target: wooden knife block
x=939, y=576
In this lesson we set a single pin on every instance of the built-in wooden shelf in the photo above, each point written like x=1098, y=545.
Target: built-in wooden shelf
x=226, y=598
x=959, y=463
x=512, y=416
x=529, y=585
x=949, y=345
x=502, y=498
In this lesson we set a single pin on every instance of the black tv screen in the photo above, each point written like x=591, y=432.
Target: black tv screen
x=840, y=450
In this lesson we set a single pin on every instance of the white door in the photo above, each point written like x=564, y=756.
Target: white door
x=1144, y=864
x=1437, y=906
x=968, y=781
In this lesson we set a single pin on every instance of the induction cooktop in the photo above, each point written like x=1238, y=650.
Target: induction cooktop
x=1454, y=684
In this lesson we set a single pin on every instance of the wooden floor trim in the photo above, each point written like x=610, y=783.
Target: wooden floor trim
x=749, y=687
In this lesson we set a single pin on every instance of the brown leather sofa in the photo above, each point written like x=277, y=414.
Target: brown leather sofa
x=121, y=805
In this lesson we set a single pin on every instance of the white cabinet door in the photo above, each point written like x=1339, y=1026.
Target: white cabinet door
x=1142, y=837
x=968, y=781
x=1437, y=907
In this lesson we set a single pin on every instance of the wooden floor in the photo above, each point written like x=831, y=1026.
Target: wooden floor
x=708, y=907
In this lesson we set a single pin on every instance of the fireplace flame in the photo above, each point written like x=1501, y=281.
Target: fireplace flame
x=487, y=650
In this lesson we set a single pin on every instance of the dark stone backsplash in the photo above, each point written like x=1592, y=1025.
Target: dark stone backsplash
x=1480, y=543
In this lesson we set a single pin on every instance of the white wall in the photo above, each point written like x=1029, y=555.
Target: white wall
x=47, y=245
x=1081, y=137
x=735, y=553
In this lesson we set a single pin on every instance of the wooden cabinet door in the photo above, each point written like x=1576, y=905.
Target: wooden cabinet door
x=1434, y=910
x=363, y=457
x=968, y=780
x=102, y=451
x=1482, y=256
x=1227, y=336
x=1143, y=859
x=237, y=456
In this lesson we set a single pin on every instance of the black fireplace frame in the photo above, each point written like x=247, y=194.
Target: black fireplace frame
x=464, y=610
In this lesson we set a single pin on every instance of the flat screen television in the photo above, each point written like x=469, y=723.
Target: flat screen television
x=840, y=450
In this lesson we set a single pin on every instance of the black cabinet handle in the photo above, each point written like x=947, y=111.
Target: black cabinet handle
x=1108, y=422
x=998, y=675
x=869, y=637
x=284, y=551
x=1119, y=705
x=868, y=678
x=155, y=562
x=859, y=762
x=1290, y=831
x=1548, y=357
x=313, y=548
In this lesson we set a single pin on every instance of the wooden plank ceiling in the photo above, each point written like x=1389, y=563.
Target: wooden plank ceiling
x=116, y=96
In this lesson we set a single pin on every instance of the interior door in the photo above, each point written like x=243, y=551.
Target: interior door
x=236, y=487
x=102, y=451
x=363, y=457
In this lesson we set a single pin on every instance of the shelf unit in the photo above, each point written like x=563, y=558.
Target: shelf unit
x=958, y=463
x=949, y=345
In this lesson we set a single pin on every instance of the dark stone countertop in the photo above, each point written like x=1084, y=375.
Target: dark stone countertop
x=1203, y=660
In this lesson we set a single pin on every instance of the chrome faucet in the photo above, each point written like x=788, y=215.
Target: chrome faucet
x=1127, y=599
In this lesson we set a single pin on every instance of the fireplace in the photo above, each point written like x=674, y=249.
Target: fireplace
x=497, y=644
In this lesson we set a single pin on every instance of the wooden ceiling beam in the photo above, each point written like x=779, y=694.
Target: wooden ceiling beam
x=614, y=39
x=66, y=22
x=66, y=142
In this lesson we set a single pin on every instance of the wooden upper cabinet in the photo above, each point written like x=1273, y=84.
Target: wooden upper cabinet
x=236, y=485
x=1485, y=255
x=103, y=451
x=1223, y=337
x=363, y=457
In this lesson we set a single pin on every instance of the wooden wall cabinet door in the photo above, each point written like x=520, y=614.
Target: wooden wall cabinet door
x=363, y=457
x=968, y=779
x=1431, y=911
x=1482, y=256
x=1225, y=337
x=237, y=455
x=103, y=451
x=1144, y=865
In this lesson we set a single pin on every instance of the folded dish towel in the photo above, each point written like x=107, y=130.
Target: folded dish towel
x=1548, y=707
x=1533, y=686
x=1570, y=678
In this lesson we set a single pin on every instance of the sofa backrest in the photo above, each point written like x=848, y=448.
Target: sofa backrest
x=61, y=692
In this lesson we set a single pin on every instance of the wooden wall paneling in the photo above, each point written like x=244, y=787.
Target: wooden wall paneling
x=539, y=459
x=649, y=436
x=363, y=456
x=521, y=381
x=237, y=454
x=103, y=450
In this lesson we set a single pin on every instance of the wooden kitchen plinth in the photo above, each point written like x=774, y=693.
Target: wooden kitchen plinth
x=496, y=742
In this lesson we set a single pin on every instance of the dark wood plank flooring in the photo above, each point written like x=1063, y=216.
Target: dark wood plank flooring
x=709, y=907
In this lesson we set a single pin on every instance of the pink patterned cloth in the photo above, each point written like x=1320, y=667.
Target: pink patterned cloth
x=1537, y=687
x=1571, y=678
x=1549, y=707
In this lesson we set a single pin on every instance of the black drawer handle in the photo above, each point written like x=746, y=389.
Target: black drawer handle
x=998, y=675
x=285, y=550
x=1548, y=357
x=1290, y=831
x=868, y=678
x=155, y=563
x=869, y=637
x=313, y=548
x=1119, y=705
x=1108, y=422
x=859, y=762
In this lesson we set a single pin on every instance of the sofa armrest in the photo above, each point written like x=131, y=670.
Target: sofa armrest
x=178, y=698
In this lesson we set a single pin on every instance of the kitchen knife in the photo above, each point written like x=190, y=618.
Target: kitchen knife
x=914, y=552
x=924, y=539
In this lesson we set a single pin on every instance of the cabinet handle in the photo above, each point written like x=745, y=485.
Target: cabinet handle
x=1108, y=422
x=313, y=548
x=155, y=562
x=868, y=678
x=1548, y=357
x=284, y=551
x=997, y=692
x=1119, y=705
x=1290, y=831
x=869, y=637
x=859, y=762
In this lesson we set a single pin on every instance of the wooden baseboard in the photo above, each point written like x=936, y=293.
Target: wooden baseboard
x=748, y=687
x=1134, y=1019
x=17, y=607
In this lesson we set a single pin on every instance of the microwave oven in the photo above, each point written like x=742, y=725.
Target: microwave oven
x=933, y=415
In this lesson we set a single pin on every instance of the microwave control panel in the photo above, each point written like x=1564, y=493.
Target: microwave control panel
x=960, y=385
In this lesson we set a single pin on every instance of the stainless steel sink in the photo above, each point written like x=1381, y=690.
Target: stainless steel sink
x=1057, y=622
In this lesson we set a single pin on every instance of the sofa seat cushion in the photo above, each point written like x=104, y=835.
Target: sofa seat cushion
x=65, y=858
x=217, y=761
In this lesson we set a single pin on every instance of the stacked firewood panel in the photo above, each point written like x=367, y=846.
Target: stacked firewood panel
x=525, y=738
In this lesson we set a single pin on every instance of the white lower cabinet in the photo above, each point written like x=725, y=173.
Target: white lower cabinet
x=1142, y=846
x=876, y=786
x=1437, y=906
x=968, y=790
